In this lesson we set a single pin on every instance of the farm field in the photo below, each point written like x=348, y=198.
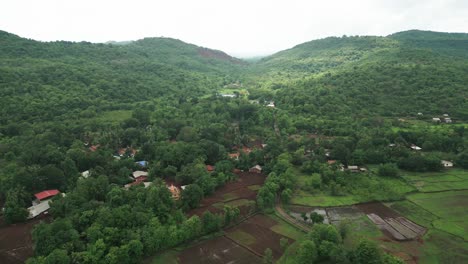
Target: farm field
x=451, y=179
x=450, y=209
x=243, y=243
x=240, y=193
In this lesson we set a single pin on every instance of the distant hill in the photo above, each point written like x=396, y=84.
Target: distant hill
x=401, y=74
x=41, y=78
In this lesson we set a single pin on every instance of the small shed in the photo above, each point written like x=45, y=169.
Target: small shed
x=210, y=168
x=446, y=163
x=38, y=209
x=138, y=174
x=174, y=191
x=414, y=147
x=256, y=169
x=234, y=156
x=85, y=174
x=436, y=119
x=353, y=168
x=142, y=163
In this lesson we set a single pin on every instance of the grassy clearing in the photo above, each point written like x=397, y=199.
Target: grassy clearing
x=322, y=200
x=242, y=237
x=285, y=229
x=449, y=207
x=254, y=187
x=229, y=196
x=441, y=247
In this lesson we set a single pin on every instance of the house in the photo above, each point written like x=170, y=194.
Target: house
x=210, y=168
x=271, y=104
x=331, y=162
x=234, y=156
x=142, y=163
x=138, y=174
x=353, y=168
x=85, y=174
x=414, y=147
x=246, y=150
x=448, y=120
x=139, y=181
x=174, y=191
x=256, y=169
x=420, y=114
x=436, y=119
x=392, y=145
x=228, y=95
x=184, y=186
x=446, y=115
x=44, y=195
x=446, y=163
x=38, y=209
x=130, y=151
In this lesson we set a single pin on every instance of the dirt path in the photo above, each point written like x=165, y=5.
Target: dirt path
x=303, y=227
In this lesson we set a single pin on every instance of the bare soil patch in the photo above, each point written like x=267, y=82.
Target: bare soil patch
x=16, y=244
x=231, y=191
x=218, y=250
x=258, y=227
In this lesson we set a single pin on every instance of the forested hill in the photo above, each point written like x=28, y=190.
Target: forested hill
x=398, y=75
x=45, y=80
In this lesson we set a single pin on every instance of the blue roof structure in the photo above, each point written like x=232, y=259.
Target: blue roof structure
x=142, y=163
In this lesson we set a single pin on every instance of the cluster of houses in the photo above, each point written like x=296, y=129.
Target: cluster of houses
x=445, y=119
x=41, y=204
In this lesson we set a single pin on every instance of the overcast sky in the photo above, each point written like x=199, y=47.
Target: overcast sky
x=239, y=27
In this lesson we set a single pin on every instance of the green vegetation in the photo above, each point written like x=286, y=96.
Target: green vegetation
x=449, y=207
x=242, y=237
x=66, y=108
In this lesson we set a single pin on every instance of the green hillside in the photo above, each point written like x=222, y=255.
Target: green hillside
x=398, y=75
x=44, y=80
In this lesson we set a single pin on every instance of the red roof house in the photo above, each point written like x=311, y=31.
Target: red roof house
x=210, y=168
x=46, y=194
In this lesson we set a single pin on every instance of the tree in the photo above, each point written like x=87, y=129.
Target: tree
x=210, y=222
x=286, y=195
x=462, y=159
x=307, y=252
x=284, y=243
x=388, y=169
x=14, y=207
x=192, y=196
x=304, y=216
x=316, y=218
x=267, y=256
x=367, y=252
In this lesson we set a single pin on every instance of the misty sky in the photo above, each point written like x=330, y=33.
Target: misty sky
x=239, y=27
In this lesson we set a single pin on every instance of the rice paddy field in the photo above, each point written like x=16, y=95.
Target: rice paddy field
x=437, y=201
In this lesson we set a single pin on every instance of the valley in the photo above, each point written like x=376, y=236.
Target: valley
x=338, y=150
